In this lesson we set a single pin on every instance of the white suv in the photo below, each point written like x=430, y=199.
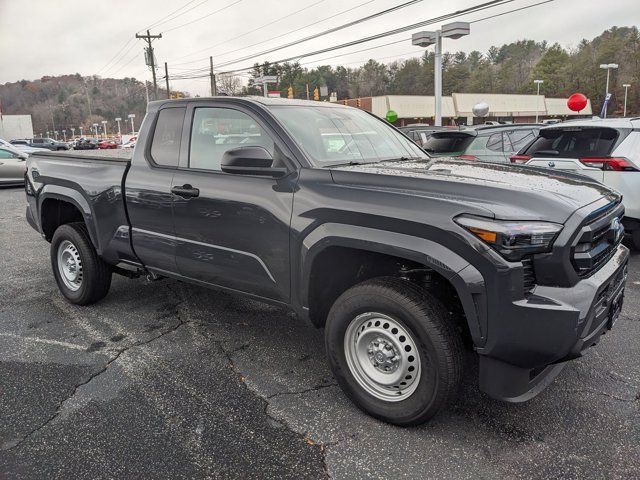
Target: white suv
x=605, y=149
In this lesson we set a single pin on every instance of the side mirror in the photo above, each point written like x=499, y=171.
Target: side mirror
x=250, y=161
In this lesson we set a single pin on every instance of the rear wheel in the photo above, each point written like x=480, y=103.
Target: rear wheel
x=394, y=351
x=82, y=276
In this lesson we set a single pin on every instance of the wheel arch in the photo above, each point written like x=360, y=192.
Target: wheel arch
x=465, y=279
x=58, y=205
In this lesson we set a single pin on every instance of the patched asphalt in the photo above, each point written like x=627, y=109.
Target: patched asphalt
x=168, y=380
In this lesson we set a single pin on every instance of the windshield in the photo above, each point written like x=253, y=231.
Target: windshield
x=333, y=136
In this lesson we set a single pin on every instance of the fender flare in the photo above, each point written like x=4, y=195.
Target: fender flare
x=465, y=278
x=75, y=198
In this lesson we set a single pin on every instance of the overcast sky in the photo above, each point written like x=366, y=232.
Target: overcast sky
x=46, y=37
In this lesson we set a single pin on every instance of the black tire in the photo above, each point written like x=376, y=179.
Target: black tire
x=439, y=345
x=635, y=238
x=96, y=274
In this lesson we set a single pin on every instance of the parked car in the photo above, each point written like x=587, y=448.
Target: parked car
x=86, y=144
x=12, y=166
x=420, y=132
x=131, y=143
x=403, y=259
x=107, y=144
x=607, y=150
x=46, y=143
x=18, y=149
x=489, y=143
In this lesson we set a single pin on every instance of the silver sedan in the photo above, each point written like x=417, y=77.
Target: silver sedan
x=12, y=167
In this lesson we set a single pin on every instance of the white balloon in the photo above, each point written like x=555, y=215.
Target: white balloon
x=480, y=109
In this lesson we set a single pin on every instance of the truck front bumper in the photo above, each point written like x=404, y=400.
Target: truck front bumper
x=531, y=343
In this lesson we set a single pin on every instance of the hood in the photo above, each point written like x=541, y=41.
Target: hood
x=506, y=191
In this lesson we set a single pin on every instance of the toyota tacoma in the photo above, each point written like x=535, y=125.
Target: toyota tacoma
x=404, y=260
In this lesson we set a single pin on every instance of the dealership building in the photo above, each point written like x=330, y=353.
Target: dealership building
x=458, y=108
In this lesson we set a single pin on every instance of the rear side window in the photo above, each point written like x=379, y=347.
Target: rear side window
x=495, y=142
x=165, y=146
x=574, y=142
x=448, y=143
x=520, y=138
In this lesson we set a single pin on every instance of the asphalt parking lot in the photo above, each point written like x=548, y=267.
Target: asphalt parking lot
x=167, y=380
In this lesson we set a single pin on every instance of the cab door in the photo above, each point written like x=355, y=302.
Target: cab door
x=232, y=229
x=148, y=191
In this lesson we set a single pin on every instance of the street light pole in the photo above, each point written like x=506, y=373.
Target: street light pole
x=626, y=92
x=131, y=117
x=104, y=127
x=538, y=83
x=118, y=120
x=437, y=79
x=608, y=67
x=453, y=30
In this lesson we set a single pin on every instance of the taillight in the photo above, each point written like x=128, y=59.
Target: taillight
x=617, y=164
x=468, y=157
x=520, y=158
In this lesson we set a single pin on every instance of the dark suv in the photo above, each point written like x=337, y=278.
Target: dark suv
x=47, y=143
x=490, y=143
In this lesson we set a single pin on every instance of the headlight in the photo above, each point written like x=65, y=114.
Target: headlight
x=512, y=239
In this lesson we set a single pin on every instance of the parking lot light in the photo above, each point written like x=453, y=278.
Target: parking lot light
x=626, y=92
x=538, y=83
x=131, y=117
x=452, y=30
x=608, y=67
x=104, y=128
x=118, y=120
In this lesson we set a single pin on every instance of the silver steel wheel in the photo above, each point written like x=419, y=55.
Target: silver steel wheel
x=69, y=265
x=382, y=356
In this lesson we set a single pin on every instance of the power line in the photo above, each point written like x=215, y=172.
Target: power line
x=203, y=17
x=120, y=57
x=320, y=34
x=254, y=30
x=124, y=54
x=117, y=53
x=448, y=16
x=510, y=11
x=162, y=20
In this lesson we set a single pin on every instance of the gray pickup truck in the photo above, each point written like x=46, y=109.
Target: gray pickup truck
x=404, y=260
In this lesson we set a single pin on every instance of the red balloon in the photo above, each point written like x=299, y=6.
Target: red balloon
x=577, y=102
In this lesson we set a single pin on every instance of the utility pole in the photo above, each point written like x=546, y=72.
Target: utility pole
x=151, y=59
x=146, y=91
x=166, y=77
x=214, y=87
x=307, y=91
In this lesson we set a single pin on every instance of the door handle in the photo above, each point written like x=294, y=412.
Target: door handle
x=185, y=191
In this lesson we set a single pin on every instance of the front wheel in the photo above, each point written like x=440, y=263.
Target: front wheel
x=82, y=276
x=394, y=351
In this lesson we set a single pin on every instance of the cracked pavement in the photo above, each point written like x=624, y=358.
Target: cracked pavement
x=168, y=380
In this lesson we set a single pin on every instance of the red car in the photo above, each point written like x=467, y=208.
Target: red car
x=107, y=144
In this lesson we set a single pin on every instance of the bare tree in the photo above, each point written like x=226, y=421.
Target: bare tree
x=229, y=84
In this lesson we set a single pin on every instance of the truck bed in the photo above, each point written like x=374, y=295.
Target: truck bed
x=93, y=181
x=116, y=155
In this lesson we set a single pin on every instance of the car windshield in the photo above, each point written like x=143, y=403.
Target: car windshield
x=334, y=136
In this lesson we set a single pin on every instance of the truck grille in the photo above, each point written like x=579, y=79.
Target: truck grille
x=598, y=239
